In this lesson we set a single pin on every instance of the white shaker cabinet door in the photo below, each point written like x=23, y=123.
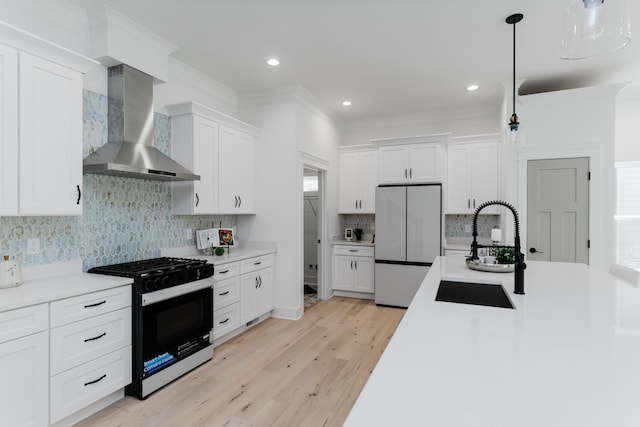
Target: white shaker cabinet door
x=24, y=381
x=8, y=131
x=236, y=171
x=50, y=138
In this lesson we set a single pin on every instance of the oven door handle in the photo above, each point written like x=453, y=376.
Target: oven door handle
x=175, y=291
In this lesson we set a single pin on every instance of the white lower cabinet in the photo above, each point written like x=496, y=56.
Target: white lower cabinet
x=24, y=362
x=243, y=291
x=256, y=289
x=353, y=268
x=90, y=349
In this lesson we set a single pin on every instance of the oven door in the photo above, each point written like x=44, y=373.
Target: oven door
x=176, y=322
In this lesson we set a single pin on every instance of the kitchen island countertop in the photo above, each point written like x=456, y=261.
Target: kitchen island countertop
x=568, y=355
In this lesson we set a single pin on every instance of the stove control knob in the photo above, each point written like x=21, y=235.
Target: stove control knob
x=148, y=285
x=166, y=282
x=157, y=283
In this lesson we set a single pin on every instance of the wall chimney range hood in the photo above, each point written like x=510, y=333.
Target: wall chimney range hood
x=129, y=151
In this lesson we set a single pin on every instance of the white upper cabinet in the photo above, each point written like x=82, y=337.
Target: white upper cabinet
x=472, y=177
x=410, y=160
x=220, y=149
x=236, y=166
x=8, y=131
x=40, y=126
x=357, y=175
x=50, y=138
x=194, y=142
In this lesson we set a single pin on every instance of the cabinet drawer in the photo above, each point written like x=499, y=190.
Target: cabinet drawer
x=80, y=342
x=253, y=264
x=226, y=270
x=89, y=305
x=226, y=320
x=79, y=387
x=353, y=250
x=23, y=321
x=226, y=292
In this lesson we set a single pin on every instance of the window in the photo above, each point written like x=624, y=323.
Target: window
x=627, y=216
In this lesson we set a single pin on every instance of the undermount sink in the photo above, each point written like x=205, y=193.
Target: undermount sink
x=492, y=295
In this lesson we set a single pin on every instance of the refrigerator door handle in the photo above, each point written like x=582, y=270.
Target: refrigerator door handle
x=410, y=172
x=405, y=172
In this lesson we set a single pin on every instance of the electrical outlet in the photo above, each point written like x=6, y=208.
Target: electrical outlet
x=467, y=228
x=33, y=246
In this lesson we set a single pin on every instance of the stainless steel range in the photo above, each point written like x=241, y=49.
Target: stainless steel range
x=172, y=318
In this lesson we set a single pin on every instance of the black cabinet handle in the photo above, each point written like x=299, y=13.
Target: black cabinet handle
x=356, y=204
x=223, y=272
x=96, y=304
x=410, y=172
x=256, y=283
x=474, y=203
x=356, y=265
x=197, y=200
x=352, y=264
x=95, y=381
x=96, y=338
x=224, y=321
x=260, y=285
x=468, y=203
x=79, y=195
x=405, y=173
x=535, y=251
x=240, y=199
x=224, y=293
x=257, y=263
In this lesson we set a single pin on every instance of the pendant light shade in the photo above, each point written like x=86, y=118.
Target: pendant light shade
x=594, y=27
x=513, y=20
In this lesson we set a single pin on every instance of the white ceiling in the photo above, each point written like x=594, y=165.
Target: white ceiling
x=389, y=57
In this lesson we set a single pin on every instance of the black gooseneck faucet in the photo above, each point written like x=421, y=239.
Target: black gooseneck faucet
x=520, y=266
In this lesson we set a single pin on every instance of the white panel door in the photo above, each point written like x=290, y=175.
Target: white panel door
x=348, y=187
x=24, y=381
x=236, y=171
x=8, y=131
x=558, y=210
x=50, y=138
x=364, y=269
x=205, y=156
x=392, y=165
x=422, y=161
x=367, y=181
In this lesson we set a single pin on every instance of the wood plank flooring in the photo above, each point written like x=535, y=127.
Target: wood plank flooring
x=307, y=372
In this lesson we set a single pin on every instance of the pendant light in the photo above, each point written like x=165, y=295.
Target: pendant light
x=594, y=27
x=513, y=20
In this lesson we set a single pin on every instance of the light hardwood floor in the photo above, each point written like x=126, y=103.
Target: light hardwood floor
x=307, y=372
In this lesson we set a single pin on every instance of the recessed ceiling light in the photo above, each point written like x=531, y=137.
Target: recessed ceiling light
x=273, y=62
x=471, y=88
x=346, y=103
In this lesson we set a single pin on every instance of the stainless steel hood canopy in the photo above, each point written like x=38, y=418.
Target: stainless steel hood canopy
x=130, y=152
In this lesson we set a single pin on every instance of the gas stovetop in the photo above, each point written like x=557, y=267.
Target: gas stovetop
x=159, y=273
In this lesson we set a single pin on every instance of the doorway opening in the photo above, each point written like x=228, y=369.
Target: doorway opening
x=311, y=236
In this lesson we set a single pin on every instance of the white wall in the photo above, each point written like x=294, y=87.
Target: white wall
x=278, y=216
x=573, y=123
x=627, y=131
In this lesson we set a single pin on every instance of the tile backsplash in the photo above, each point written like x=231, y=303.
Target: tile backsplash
x=455, y=225
x=124, y=219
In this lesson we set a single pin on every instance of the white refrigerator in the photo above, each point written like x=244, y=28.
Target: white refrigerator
x=408, y=239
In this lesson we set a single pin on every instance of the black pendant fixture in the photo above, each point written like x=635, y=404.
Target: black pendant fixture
x=513, y=20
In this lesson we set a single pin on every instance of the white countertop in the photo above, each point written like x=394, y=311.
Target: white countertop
x=54, y=282
x=568, y=355
x=248, y=250
x=362, y=242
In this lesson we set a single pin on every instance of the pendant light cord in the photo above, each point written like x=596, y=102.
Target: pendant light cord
x=514, y=69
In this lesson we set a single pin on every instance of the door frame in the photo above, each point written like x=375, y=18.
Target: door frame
x=310, y=161
x=599, y=255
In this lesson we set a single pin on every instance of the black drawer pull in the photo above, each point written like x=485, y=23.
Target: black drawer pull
x=96, y=304
x=353, y=250
x=257, y=263
x=223, y=272
x=95, y=338
x=224, y=321
x=95, y=381
x=224, y=293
